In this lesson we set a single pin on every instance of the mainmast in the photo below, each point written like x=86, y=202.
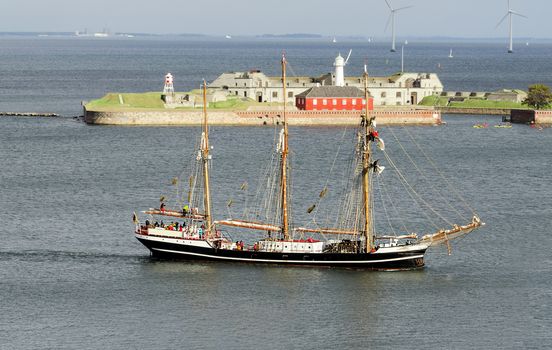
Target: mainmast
x=366, y=155
x=205, y=158
x=285, y=151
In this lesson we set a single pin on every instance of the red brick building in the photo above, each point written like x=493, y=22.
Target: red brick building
x=332, y=98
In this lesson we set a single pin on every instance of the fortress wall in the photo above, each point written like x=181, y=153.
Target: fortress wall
x=543, y=117
x=476, y=111
x=307, y=118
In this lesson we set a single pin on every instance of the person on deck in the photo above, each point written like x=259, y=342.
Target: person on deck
x=162, y=206
x=185, y=209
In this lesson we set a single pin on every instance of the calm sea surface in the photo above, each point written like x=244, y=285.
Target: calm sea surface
x=73, y=276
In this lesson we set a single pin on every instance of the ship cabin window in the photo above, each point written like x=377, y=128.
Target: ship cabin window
x=324, y=102
x=274, y=94
x=334, y=102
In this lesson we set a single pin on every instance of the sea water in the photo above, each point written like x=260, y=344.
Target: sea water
x=73, y=276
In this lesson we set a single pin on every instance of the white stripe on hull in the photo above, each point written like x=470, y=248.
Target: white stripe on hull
x=205, y=244
x=302, y=262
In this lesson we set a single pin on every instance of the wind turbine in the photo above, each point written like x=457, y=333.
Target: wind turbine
x=509, y=14
x=392, y=20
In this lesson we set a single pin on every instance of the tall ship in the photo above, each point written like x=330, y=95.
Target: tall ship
x=192, y=233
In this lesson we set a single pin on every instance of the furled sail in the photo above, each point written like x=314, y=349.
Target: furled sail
x=249, y=224
x=327, y=231
x=174, y=213
x=444, y=236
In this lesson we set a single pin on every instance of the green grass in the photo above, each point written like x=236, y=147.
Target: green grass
x=440, y=101
x=142, y=100
x=479, y=103
x=434, y=100
x=152, y=100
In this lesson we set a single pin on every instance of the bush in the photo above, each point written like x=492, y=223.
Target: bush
x=538, y=97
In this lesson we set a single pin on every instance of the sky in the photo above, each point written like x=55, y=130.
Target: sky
x=427, y=18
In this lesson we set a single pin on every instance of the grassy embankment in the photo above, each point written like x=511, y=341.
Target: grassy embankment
x=152, y=100
x=438, y=101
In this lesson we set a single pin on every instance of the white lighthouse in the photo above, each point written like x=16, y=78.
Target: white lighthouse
x=339, y=64
x=339, y=75
x=169, y=88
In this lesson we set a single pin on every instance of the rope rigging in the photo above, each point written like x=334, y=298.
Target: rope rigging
x=431, y=184
x=443, y=177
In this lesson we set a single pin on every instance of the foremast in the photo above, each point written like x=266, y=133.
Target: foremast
x=205, y=157
x=367, y=124
x=284, y=162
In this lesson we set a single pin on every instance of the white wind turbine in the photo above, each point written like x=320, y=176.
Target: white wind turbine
x=509, y=14
x=392, y=20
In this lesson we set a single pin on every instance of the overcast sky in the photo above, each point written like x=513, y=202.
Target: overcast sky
x=465, y=18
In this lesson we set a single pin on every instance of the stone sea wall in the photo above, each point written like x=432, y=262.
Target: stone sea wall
x=305, y=118
x=475, y=111
x=543, y=117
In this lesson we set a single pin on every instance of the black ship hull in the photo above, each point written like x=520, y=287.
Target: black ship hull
x=380, y=260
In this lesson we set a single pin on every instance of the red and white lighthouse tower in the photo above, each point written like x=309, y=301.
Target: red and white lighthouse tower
x=169, y=88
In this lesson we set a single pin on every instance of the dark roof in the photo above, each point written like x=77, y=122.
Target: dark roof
x=332, y=91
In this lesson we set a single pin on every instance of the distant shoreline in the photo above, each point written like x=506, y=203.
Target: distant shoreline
x=286, y=36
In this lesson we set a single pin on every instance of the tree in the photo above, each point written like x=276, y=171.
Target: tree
x=539, y=96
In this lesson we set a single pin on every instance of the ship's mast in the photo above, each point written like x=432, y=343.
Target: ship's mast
x=205, y=158
x=285, y=150
x=366, y=155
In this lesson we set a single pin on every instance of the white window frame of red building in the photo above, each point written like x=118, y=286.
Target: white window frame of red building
x=334, y=102
x=344, y=102
x=353, y=102
x=363, y=101
x=314, y=102
x=324, y=102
